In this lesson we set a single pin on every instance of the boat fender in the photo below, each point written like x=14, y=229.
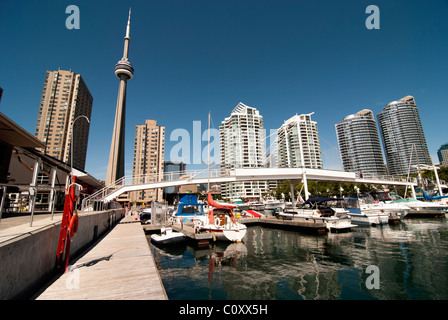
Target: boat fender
x=73, y=226
x=197, y=226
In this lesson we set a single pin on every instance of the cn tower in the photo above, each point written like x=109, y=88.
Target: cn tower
x=125, y=72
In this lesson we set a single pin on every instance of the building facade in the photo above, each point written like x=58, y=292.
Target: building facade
x=403, y=138
x=65, y=97
x=298, y=143
x=243, y=145
x=149, y=153
x=442, y=154
x=359, y=144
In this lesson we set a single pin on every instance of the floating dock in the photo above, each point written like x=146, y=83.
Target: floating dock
x=426, y=214
x=306, y=226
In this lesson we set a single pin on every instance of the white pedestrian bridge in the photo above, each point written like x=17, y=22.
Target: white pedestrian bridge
x=171, y=179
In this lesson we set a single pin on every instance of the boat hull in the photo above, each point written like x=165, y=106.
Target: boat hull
x=233, y=235
x=369, y=218
x=168, y=239
x=332, y=223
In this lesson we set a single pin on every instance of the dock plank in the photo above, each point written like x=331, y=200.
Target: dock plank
x=119, y=267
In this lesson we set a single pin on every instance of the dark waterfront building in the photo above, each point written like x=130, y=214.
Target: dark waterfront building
x=442, y=153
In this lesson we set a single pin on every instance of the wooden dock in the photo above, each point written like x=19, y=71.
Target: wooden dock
x=306, y=226
x=200, y=239
x=425, y=214
x=119, y=267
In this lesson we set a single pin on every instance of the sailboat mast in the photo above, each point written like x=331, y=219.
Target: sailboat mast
x=208, y=160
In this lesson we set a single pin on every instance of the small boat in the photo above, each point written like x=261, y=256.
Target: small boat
x=252, y=214
x=145, y=216
x=221, y=222
x=167, y=237
x=361, y=211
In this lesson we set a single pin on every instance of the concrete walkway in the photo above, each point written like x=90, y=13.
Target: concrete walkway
x=119, y=267
x=12, y=228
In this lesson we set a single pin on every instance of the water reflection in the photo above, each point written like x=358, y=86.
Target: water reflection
x=285, y=265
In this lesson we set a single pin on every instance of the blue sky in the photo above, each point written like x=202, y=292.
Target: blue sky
x=195, y=56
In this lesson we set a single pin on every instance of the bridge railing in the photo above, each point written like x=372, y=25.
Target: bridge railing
x=371, y=176
x=89, y=202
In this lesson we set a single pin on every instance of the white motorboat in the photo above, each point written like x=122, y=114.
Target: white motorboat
x=145, y=216
x=272, y=204
x=167, y=237
x=318, y=209
x=221, y=222
x=361, y=211
x=256, y=205
x=417, y=205
x=383, y=201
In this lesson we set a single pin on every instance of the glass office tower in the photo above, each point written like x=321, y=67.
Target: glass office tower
x=402, y=135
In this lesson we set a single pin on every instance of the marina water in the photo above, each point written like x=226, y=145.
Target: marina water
x=410, y=261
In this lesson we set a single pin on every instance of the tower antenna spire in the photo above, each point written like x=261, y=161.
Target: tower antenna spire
x=128, y=28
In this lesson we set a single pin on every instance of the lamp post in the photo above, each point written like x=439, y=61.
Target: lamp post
x=71, y=140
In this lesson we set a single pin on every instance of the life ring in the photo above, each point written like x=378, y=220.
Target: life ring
x=73, y=226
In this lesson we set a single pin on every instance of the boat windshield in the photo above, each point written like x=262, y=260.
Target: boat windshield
x=396, y=197
x=192, y=208
x=381, y=196
x=366, y=199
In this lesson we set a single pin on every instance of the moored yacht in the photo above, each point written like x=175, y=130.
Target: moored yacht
x=221, y=222
x=272, y=204
x=361, y=211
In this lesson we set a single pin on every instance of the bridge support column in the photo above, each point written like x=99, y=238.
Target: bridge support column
x=413, y=192
x=305, y=184
x=291, y=186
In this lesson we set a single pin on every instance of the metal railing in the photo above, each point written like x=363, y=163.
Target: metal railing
x=371, y=176
x=88, y=202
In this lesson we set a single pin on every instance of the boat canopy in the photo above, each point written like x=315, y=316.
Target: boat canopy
x=188, y=198
x=189, y=205
x=321, y=199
